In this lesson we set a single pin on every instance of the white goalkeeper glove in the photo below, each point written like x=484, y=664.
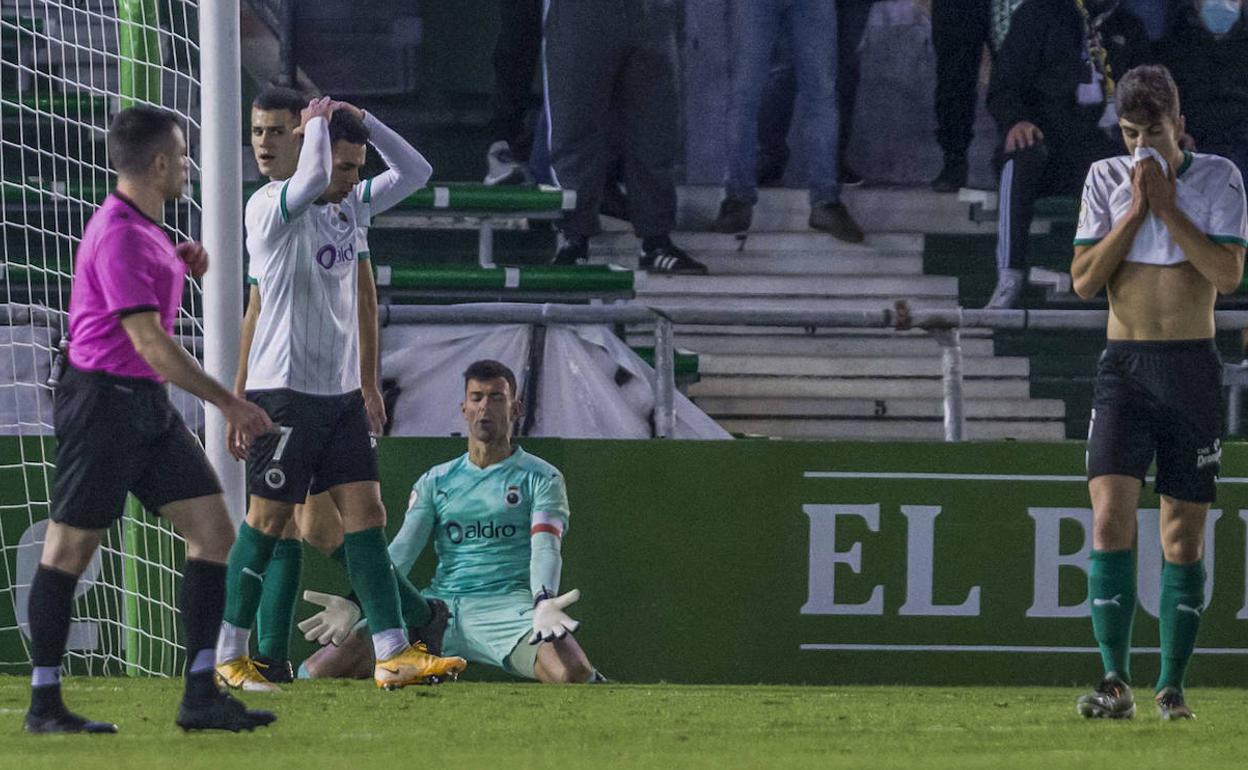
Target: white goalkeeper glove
x=550, y=622
x=332, y=624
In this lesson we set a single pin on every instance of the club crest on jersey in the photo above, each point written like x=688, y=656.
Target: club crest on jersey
x=275, y=478
x=513, y=497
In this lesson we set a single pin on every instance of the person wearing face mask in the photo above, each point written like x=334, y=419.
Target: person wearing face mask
x=1051, y=95
x=1207, y=52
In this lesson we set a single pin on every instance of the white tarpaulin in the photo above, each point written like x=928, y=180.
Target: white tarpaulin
x=25, y=363
x=590, y=384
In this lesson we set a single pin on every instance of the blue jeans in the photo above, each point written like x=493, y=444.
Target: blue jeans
x=755, y=26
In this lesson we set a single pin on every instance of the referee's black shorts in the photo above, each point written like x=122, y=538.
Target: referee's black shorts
x=319, y=442
x=116, y=435
x=1160, y=399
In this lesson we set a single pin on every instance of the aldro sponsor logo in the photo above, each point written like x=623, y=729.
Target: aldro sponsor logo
x=487, y=530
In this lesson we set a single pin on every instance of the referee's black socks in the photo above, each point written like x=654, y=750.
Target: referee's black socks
x=203, y=603
x=51, y=603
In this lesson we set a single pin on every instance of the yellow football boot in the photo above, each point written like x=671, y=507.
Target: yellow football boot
x=243, y=673
x=414, y=665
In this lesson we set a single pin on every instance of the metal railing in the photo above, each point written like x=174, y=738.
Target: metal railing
x=943, y=325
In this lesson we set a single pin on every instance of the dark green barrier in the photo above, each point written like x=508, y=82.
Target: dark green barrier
x=820, y=562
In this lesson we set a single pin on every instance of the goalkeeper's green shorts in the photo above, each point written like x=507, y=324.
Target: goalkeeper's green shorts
x=493, y=630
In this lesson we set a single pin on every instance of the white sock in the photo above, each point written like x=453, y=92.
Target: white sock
x=42, y=676
x=232, y=642
x=202, y=662
x=388, y=643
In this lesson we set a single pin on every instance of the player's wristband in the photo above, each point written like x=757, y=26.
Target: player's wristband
x=542, y=596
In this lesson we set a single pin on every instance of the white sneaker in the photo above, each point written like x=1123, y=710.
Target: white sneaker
x=501, y=166
x=1009, y=290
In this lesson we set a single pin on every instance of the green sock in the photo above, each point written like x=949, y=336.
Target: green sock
x=1182, y=601
x=1111, y=593
x=278, y=599
x=373, y=578
x=416, y=610
x=244, y=575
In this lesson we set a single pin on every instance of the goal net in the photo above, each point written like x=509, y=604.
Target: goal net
x=68, y=66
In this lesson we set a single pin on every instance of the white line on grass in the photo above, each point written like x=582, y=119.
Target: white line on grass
x=1000, y=648
x=973, y=476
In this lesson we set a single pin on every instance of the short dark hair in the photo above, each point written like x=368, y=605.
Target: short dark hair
x=137, y=134
x=1147, y=92
x=343, y=126
x=487, y=369
x=280, y=98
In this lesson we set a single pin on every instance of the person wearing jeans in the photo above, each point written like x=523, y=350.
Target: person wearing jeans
x=755, y=26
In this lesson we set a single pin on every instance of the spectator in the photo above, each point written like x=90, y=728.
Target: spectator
x=515, y=60
x=776, y=113
x=960, y=28
x=1051, y=95
x=1207, y=52
x=602, y=54
x=755, y=27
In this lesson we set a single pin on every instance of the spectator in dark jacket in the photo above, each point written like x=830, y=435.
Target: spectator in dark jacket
x=1207, y=52
x=1051, y=94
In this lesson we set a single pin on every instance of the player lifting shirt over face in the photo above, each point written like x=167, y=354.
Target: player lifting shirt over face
x=1164, y=232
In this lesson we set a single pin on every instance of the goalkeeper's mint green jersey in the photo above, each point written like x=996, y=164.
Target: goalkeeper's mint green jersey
x=481, y=520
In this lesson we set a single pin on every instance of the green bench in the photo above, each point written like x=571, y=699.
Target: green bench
x=476, y=206
x=686, y=363
x=464, y=283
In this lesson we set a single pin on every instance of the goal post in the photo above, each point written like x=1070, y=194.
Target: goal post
x=68, y=66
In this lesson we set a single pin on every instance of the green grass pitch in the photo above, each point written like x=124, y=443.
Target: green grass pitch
x=512, y=726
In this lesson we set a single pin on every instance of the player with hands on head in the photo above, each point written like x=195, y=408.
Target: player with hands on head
x=312, y=366
x=497, y=516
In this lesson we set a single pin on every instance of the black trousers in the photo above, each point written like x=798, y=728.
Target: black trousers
x=1056, y=166
x=516, y=55
x=960, y=28
x=775, y=116
x=614, y=60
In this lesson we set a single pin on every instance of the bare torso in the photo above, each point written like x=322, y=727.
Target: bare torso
x=1153, y=302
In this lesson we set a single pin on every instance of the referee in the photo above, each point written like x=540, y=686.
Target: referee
x=117, y=432
x=1164, y=232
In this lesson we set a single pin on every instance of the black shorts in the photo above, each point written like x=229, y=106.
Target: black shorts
x=320, y=442
x=116, y=435
x=1163, y=399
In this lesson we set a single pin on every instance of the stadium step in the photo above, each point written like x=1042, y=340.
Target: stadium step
x=796, y=286
x=895, y=430
x=977, y=409
x=876, y=209
x=775, y=386
x=850, y=367
x=797, y=304
x=830, y=344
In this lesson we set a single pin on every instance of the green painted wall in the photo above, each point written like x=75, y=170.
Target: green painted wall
x=731, y=562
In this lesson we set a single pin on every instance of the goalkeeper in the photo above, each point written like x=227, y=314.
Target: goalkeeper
x=497, y=516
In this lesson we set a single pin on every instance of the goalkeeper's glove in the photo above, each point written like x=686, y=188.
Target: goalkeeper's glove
x=550, y=622
x=332, y=624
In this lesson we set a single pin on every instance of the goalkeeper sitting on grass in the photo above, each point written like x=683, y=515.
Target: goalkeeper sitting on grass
x=497, y=515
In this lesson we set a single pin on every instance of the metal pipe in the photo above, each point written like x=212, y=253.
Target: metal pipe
x=222, y=226
x=288, y=65
x=951, y=382
x=485, y=243
x=665, y=379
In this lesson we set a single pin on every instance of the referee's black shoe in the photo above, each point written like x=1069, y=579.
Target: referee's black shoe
x=432, y=632
x=663, y=256
x=1112, y=699
x=65, y=721
x=276, y=670
x=220, y=711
